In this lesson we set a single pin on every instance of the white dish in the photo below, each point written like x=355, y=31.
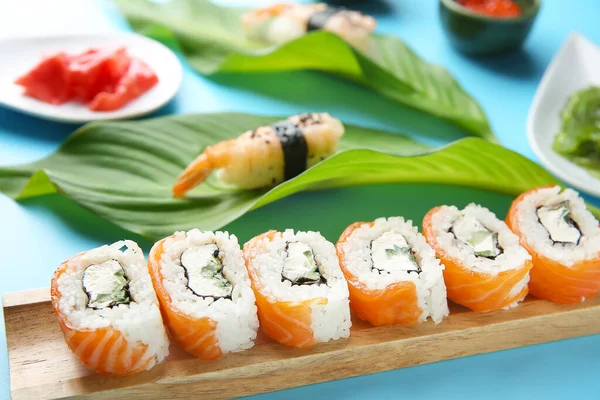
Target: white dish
x=19, y=55
x=575, y=67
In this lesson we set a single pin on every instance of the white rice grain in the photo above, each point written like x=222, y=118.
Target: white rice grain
x=139, y=321
x=512, y=257
x=330, y=320
x=431, y=290
x=537, y=236
x=237, y=320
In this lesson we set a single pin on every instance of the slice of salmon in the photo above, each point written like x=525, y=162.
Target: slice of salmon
x=396, y=304
x=477, y=291
x=550, y=279
x=287, y=322
x=195, y=335
x=103, y=350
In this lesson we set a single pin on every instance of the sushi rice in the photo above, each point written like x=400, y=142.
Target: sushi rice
x=537, y=235
x=234, y=313
x=326, y=294
x=110, y=303
x=512, y=257
x=357, y=250
x=563, y=238
x=137, y=319
x=481, y=255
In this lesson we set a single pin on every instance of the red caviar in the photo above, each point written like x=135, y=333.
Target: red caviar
x=493, y=8
x=105, y=79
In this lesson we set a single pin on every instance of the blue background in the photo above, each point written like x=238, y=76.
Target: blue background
x=37, y=234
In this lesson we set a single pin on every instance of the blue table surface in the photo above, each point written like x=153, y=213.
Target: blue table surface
x=38, y=234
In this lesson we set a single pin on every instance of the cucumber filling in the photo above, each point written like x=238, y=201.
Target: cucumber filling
x=557, y=221
x=391, y=252
x=300, y=266
x=470, y=231
x=106, y=285
x=203, y=270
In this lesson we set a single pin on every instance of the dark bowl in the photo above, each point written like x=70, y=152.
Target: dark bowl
x=476, y=34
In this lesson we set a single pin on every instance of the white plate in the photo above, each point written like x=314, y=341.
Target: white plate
x=21, y=54
x=575, y=67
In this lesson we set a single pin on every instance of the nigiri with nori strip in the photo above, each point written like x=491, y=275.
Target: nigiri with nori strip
x=204, y=292
x=267, y=155
x=301, y=293
x=393, y=274
x=282, y=22
x=485, y=266
x=563, y=237
x=108, y=310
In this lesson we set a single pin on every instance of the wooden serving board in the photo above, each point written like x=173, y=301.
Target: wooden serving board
x=43, y=367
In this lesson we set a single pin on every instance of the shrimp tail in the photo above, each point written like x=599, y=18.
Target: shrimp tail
x=213, y=157
x=193, y=175
x=275, y=9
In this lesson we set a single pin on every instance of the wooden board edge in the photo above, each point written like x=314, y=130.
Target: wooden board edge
x=378, y=358
x=25, y=297
x=274, y=375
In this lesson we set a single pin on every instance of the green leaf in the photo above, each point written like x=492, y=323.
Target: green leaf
x=124, y=171
x=212, y=40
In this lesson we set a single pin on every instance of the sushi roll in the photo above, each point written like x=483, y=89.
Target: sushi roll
x=563, y=238
x=393, y=274
x=485, y=267
x=267, y=155
x=300, y=290
x=108, y=311
x=204, y=292
x=283, y=22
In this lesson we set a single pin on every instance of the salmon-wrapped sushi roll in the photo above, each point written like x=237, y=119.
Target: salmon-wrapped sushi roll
x=392, y=273
x=283, y=22
x=267, y=155
x=563, y=237
x=204, y=292
x=108, y=311
x=301, y=292
x=486, y=268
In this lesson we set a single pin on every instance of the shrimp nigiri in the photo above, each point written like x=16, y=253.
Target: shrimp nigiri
x=267, y=155
x=283, y=22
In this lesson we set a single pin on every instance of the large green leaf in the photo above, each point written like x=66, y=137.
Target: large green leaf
x=123, y=171
x=213, y=41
